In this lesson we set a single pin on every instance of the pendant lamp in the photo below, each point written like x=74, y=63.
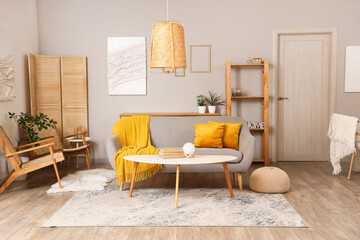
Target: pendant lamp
x=167, y=52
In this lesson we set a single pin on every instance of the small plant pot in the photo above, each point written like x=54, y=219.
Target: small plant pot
x=202, y=109
x=212, y=109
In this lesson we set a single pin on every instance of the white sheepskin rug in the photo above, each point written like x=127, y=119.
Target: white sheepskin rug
x=87, y=180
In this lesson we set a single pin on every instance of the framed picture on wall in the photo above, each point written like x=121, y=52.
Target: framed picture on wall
x=200, y=58
x=126, y=60
x=352, y=69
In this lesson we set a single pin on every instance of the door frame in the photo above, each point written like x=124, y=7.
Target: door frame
x=332, y=32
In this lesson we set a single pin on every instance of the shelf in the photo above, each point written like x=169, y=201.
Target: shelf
x=258, y=160
x=247, y=97
x=247, y=64
x=256, y=129
x=264, y=99
x=169, y=114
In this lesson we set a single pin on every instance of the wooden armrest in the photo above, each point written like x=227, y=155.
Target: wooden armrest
x=30, y=144
x=75, y=134
x=29, y=149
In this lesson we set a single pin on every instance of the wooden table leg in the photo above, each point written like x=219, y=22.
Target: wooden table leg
x=133, y=179
x=177, y=185
x=226, y=170
x=77, y=156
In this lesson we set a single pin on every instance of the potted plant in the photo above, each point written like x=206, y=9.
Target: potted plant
x=214, y=100
x=201, y=103
x=31, y=125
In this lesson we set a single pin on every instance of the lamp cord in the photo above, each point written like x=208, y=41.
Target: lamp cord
x=167, y=10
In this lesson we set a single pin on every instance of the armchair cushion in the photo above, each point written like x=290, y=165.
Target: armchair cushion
x=44, y=159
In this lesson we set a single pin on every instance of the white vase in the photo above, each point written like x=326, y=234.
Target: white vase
x=10, y=168
x=212, y=109
x=202, y=109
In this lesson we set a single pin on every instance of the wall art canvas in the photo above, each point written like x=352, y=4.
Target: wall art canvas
x=352, y=69
x=7, y=81
x=126, y=66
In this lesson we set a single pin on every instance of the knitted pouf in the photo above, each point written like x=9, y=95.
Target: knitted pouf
x=269, y=180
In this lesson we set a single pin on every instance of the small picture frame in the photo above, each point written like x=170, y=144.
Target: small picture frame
x=200, y=58
x=257, y=60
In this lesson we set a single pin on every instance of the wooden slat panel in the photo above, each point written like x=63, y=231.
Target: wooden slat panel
x=74, y=94
x=44, y=81
x=32, y=81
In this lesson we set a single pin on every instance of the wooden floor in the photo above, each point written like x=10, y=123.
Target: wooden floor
x=329, y=204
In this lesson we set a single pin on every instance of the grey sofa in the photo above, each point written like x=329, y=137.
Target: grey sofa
x=169, y=132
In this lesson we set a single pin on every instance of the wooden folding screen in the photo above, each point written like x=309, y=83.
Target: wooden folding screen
x=74, y=94
x=45, y=89
x=58, y=88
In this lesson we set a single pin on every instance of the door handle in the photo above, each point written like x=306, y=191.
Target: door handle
x=281, y=98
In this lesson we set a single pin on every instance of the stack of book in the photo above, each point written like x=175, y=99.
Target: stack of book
x=171, y=153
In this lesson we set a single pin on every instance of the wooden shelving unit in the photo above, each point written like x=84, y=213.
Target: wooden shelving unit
x=265, y=104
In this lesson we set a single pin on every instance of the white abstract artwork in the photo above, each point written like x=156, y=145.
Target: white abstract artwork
x=352, y=69
x=126, y=66
x=7, y=81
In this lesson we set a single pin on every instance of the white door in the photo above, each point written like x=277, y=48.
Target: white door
x=303, y=97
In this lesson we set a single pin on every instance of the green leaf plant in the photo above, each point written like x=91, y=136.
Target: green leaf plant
x=214, y=99
x=32, y=125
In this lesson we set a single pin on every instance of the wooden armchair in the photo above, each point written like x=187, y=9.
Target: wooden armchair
x=20, y=168
x=84, y=149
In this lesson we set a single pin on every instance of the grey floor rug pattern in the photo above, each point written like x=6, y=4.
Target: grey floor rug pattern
x=155, y=207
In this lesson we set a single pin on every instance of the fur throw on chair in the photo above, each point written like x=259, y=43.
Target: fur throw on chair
x=342, y=138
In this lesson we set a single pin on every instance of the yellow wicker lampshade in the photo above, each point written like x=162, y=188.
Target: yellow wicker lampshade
x=168, y=47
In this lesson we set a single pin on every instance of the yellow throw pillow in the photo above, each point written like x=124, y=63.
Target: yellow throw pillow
x=208, y=135
x=231, y=134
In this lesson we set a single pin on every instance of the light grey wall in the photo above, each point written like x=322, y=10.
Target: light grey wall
x=236, y=29
x=18, y=17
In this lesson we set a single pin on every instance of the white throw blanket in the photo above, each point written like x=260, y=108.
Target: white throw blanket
x=342, y=135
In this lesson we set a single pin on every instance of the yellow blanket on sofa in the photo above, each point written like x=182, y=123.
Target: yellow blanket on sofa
x=134, y=135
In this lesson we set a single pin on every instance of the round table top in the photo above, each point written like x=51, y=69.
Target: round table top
x=72, y=139
x=198, y=159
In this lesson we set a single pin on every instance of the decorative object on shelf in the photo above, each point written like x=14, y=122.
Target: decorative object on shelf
x=32, y=125
x=201, y=103
x=200, y=58
x=249, y=60
x=352, y=69
x=257, y=60
x=214, y=100
x=189, y=150
x=7, y=81
x=126, y=66
x=168, y=46
x=257, y=125
x=236, y=92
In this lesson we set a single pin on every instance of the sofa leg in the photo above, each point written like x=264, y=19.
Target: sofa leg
x=239, y=178
x=121, y=186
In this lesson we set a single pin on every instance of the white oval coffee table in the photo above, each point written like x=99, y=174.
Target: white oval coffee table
x=199, y=159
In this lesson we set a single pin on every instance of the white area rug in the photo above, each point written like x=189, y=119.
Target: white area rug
x=155, y=207
x=87, y=180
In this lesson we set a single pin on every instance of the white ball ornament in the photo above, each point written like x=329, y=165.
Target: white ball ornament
x=189, y=149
